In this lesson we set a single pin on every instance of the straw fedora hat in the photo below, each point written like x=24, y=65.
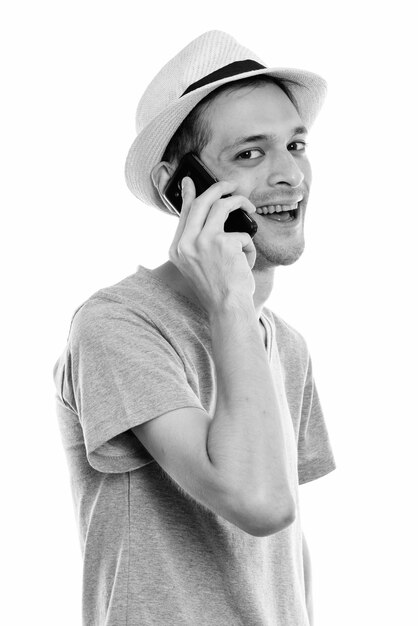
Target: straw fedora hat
x=211, y=60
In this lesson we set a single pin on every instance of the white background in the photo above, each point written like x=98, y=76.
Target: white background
x=72, y=76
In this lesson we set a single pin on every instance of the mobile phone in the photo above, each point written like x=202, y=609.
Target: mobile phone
x=191, y=165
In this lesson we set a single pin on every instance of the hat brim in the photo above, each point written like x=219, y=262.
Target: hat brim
x=149, y=146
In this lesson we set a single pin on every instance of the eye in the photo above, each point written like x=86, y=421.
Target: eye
x=246, y=156
x=299, y=146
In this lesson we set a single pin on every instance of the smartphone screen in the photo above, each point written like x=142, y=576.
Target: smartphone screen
x=191, y=165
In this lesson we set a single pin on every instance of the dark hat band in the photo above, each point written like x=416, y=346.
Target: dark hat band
x=237, y=67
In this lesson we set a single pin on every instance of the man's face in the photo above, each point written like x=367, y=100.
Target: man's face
x=257, y=141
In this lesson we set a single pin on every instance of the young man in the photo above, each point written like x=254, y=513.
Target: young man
x=188, y=409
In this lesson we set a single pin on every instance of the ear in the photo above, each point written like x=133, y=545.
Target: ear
x=161, y=174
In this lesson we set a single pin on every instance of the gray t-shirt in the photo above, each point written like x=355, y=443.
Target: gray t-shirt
x=151, y=554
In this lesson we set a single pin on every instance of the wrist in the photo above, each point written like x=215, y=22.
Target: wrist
x=232, y=307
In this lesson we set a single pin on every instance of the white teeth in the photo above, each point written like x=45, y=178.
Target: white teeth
x=278, y=208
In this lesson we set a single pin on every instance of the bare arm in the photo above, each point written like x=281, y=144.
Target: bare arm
x=307, y=572
x=245, y=441
x=233, y=463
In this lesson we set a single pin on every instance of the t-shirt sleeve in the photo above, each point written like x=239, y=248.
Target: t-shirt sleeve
x=315, y=456
x=124, y=372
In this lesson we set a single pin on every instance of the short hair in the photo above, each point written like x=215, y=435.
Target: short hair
x=194, y=134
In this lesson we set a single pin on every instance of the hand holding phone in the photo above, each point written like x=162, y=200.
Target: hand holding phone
x=190, y=165
x=216, y=264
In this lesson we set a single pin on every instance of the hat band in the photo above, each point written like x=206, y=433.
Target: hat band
x=237, y=67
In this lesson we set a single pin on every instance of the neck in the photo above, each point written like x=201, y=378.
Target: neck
x=263, y=287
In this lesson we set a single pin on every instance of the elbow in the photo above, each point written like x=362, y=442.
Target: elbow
x=270, y=523
x=262, y=520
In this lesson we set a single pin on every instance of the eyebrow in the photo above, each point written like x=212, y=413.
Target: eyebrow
x=297, y=130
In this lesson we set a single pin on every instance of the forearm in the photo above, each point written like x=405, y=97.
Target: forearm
x=307, y=573
x=246, y=442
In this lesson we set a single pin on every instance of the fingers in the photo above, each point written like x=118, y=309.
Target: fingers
x=188, y=192
x=248, y=248
x=202, y=204
x=220, y=210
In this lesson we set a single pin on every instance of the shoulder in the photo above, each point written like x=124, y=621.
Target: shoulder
x=133, y=295
x=104, y=314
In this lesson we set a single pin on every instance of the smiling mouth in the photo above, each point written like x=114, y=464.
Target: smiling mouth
x=280, y=212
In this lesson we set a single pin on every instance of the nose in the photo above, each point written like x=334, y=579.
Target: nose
x=285, y=170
